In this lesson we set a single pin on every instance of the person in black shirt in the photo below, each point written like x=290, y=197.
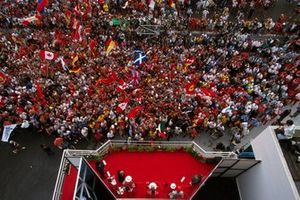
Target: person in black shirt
x=121, y=176
x=100, y=168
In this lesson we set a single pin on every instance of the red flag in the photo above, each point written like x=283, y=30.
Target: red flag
x=113, y=77
x=25, y=22
x=68, y=15
x=58, y=37
x=47, y=55
x=208, y=92
x=93, y=44
x=101, y=81
x=190, y=88
x=39, y=90
x=71, y=88
x=134, y=111
x=40, y=95
x=122, y=106
x=41, y=5
x=87, y=30
x=44, y=70
x=101, y=2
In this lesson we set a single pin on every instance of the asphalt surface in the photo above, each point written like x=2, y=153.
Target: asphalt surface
x=31, y=173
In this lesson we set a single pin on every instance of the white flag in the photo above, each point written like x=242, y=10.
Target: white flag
x=152, y=5
x=7, y=131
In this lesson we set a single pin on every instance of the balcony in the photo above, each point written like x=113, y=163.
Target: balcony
x=78, y=166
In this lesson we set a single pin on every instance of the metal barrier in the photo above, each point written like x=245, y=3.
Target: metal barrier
x=60, y=178
x=192, y=144
x=212, y=154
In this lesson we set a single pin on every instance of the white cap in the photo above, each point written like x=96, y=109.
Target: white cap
x=173, y=186
x=152, y=185
x=128, y=179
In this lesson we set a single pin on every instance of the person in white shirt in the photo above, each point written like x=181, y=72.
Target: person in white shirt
x=287, y=131
x=204, y=14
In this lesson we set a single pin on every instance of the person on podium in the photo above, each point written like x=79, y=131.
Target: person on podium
x=152, y=189
x=129, y=184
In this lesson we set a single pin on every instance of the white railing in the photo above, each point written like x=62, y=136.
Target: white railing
x=60, y=178
x=119, y=143
x=104, y=148
x=213, y=154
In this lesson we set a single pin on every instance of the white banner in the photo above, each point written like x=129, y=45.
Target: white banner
x=7, y=131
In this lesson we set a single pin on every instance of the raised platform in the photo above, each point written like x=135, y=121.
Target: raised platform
x=161, y=162
x=160, y=167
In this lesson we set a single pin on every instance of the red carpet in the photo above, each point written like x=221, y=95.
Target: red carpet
x=160, y=167
x=68, y=186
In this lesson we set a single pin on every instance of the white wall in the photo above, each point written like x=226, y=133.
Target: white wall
x=271, y=179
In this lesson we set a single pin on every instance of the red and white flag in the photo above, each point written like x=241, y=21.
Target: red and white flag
x=77, y=35
x=75, y=24
x=189, y=61
x=135, y=77
x=122, y=106
x=122, y=86
x=28, y=20
x=47, y=55
x=152, y=4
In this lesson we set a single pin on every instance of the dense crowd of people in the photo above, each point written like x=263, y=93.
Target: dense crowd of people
x=79, y=69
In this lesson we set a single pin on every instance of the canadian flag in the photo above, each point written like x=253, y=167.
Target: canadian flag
x=27, y=20
x=47, y=55
x=122, y=106
x=122, y=86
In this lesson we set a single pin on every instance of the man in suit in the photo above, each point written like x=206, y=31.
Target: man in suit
x=100, y=168
x=121, y=176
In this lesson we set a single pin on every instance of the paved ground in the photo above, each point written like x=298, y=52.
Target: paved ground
x=31, y=173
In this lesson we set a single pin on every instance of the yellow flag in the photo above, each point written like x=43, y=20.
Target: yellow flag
x=75, y=59
x=75, y=70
